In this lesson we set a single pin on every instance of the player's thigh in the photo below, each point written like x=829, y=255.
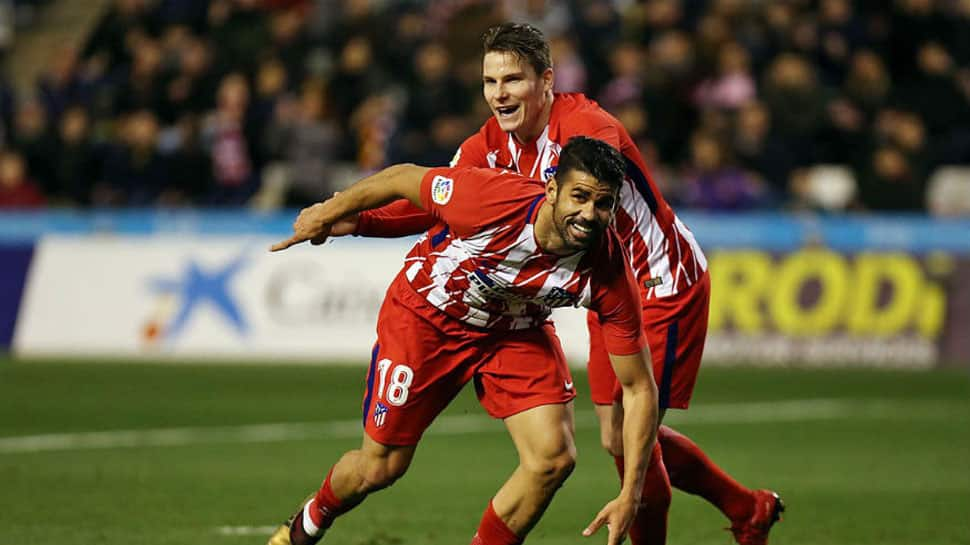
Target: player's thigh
x=416, y=370
x=599, y=370
x=676, y=330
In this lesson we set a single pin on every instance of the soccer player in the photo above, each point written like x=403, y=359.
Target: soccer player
x=472, y=302
x=530, y=124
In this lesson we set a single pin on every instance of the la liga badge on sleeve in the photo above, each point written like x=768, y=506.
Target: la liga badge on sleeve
x=441, y=189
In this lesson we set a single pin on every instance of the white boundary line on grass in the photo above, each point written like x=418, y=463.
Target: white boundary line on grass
x=245, y=530
x=712, y=413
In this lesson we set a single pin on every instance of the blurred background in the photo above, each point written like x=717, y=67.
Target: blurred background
x=151, y=150
x=736, y=104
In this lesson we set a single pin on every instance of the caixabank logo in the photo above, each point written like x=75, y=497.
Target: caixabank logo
x=178, y=298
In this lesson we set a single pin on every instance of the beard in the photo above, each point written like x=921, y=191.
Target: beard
x=576, y=233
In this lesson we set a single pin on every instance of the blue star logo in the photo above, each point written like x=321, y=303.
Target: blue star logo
x=197, y=286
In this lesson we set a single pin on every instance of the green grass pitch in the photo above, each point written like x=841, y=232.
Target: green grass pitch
x=196, y=454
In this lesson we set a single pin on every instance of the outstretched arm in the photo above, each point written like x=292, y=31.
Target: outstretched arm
x=396, y=182
x=640, y=421
x=398, y=219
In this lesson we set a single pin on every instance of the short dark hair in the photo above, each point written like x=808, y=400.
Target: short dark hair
x=594, y=157
x=522, y=40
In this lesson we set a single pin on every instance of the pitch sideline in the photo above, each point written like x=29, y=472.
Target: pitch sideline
x=711, y=413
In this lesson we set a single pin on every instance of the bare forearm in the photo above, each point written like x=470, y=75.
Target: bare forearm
x=640, y=421
x=392, y=183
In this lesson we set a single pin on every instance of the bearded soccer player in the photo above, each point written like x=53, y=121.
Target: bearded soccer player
x=530, y=124
x=472, y=303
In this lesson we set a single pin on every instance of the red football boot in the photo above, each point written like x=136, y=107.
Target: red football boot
x=768, y=508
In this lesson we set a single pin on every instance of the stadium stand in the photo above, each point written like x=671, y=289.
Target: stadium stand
x=277, y=102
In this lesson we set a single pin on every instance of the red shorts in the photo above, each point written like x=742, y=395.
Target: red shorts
x=423, y=358
x=676, y=328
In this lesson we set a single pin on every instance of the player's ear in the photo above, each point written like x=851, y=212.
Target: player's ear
x=552, y=187
x=548, y=76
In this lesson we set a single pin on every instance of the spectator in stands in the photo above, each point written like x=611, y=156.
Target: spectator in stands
x=306, y=139
x=711, y=182
x=16, y=189
x=371, y=128
x=626, y=81
x=713, y=33
x=8, y=102
x=758, y=149
x=797, y=104
x=598, y=27
x=867, y=85
x=62, y=85
x=913, y=23
x=241, y=30
x=34, y=142
x=272, y=82
x=570, y=70
x=77, y=165
x=354, y=79
x=191, y=13
x=435, y=92
x=192, y=88
x=732, y=86
x=839, y=34
x=134, y=171
x=108, y=40
x=936, y=93
x=189, y=165
x=888, y=182
x=909, y=136
x=290, y=42
x=142, y=88
x=667, y=83
x=229, y=146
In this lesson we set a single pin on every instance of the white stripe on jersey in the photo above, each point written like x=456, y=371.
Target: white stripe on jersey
x=649, y=230
x=699, y=258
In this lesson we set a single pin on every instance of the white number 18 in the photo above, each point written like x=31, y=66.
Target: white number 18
x=401, y=378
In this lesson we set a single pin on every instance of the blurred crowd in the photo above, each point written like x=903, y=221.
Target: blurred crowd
x=735, y=104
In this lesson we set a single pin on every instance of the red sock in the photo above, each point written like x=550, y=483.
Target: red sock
x=650, y=525
x=693, y=472
x=327, y=506
x=493, y=531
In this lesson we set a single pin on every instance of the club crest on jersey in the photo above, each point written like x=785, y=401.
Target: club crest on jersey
x=380, y=414
x=441, y=189
x=549, y=173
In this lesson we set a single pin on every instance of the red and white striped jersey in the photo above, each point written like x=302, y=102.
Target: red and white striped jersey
x=666, y=258
x=482, y=265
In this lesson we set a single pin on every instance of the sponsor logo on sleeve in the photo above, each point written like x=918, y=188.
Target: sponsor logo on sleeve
x=441, y=189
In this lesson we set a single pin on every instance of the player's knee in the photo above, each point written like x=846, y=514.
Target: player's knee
x=381, y=473
x=554, y=469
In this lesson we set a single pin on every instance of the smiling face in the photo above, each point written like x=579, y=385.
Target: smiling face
x=519, y=98
x=582, y=209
